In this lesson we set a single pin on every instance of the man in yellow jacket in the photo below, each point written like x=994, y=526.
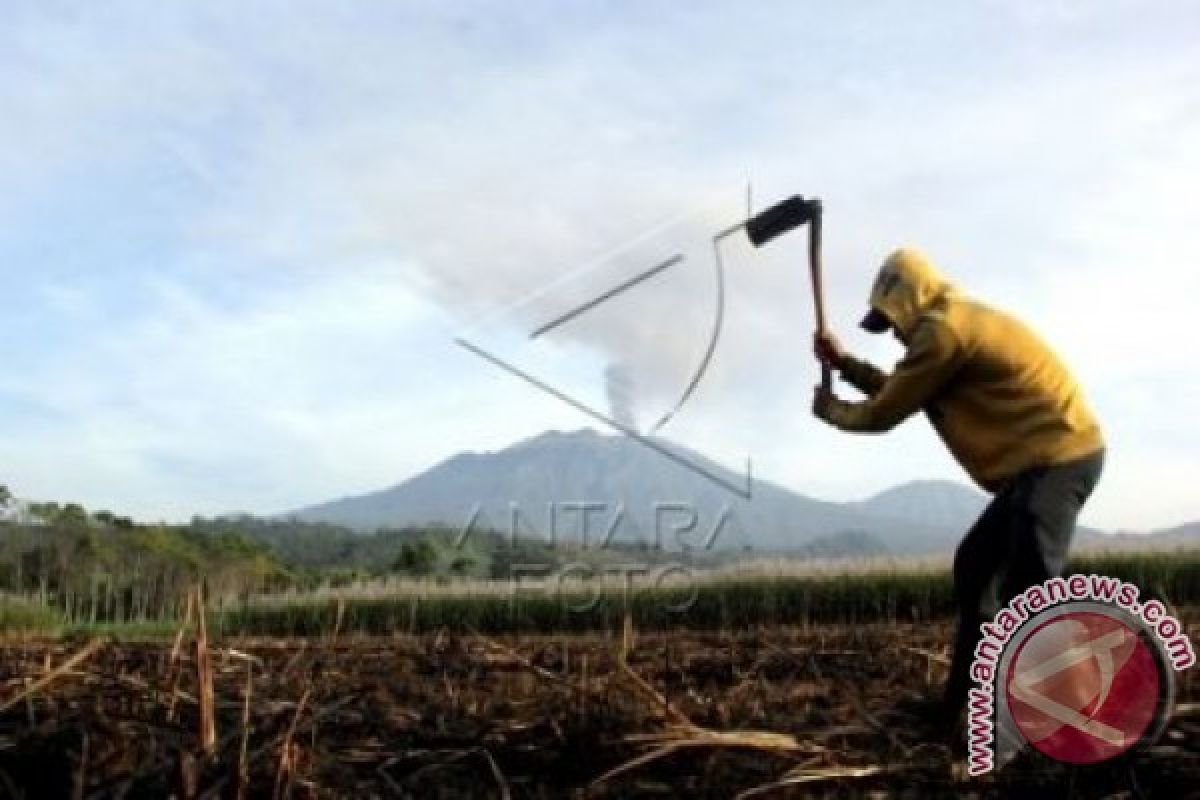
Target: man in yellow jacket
x=1009, y=412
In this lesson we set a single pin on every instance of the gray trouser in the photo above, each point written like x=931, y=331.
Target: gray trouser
x=1020, y=539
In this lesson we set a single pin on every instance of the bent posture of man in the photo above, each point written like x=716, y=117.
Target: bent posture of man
x=1008, y=410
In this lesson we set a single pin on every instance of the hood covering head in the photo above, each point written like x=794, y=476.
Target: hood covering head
x=908, y=284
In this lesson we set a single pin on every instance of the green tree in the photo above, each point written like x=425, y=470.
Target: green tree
x=45, y=512
x=463, y=565
x=73, y=517
x=416, y=558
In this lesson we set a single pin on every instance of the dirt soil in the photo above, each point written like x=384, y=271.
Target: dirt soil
x=464, y=716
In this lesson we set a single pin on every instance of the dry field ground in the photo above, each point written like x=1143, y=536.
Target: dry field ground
x=773, y=712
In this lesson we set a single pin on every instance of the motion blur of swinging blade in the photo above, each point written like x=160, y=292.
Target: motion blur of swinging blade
x=607, y=295
x=760, y=229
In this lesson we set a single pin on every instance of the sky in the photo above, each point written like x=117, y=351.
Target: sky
x=238, y=243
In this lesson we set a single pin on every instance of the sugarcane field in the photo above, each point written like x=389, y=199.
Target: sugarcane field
x=599, y=400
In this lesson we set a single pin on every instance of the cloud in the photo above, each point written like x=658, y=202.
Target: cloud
x=253, y=404
x=311, y=186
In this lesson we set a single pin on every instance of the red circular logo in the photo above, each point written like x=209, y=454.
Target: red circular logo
x=1083, y=687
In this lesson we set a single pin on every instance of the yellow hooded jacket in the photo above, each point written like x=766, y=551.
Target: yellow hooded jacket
x=1000, y=399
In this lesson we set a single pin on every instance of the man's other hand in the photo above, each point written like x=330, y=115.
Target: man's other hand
x=828, y=349
x=823, y=402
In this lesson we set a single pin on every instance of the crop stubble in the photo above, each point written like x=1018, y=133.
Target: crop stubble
x=776, y=712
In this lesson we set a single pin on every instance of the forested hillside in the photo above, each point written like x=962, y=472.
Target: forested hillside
x=96, y=566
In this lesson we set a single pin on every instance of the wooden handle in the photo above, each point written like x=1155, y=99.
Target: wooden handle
x=814, y=264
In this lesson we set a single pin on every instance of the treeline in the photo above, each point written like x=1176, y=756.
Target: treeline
x=95, y=567
x=320, y=553
x=101, y=567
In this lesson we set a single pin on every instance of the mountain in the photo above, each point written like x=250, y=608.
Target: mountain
x=1186, y=536
x=550, y=477
x=943, y=504
x=546, y=478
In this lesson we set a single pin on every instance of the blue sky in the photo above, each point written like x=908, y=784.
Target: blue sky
x=237, y=243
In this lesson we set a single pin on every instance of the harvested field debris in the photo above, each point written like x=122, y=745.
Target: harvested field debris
x=771, y=712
